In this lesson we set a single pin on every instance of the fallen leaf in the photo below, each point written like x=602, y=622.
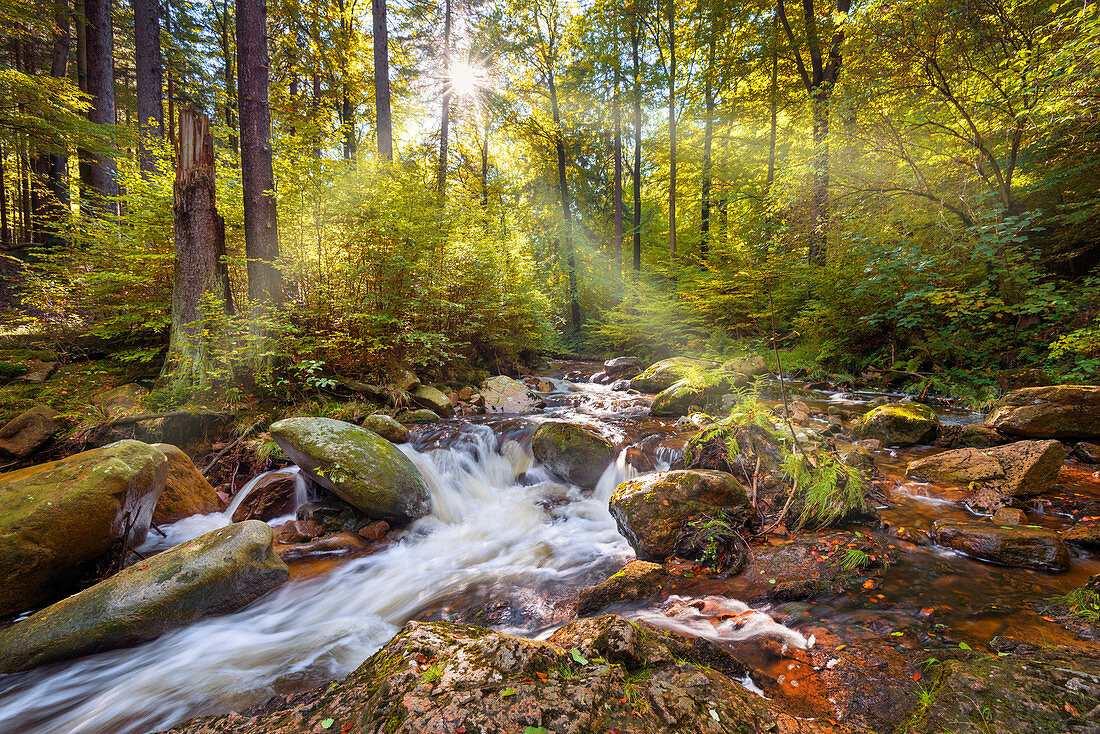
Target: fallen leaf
x=508, y=692
x=916, y=676
x=327, y=723
x=576, y=654
x=1071, y=710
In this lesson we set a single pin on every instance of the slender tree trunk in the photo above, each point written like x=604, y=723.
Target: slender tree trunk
x=635, y=38
x=708, y=142
x=347, y=109
x=26, y=217
x=200, y=272
x=228, y=76
x=567, y=216
x=485, y=165
x=58, y=163
x=261, y=224
x=617, y=196
x=84, y=157
x=5, y=233
x=101, y=88
x=150, y=82
x=445, y=114
x=170, y=86
x=773, y=108
x=819, y=196
x=382, y=120
x=672, y=130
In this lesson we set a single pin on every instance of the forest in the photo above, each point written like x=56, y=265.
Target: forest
x=549, y=366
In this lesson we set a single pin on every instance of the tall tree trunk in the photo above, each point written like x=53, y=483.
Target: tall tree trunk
x=672, y=130
x=31, y=206
x=150, y=82
x=5, y=233
x=708, y=141
x=228, y=76
x=773, y=108
x=485, y=165
x=635, y=39
x=567, y=216
x=347, y=109
x=84, y=157
x=445, y=114
x=261, y=224
x=170, y=86
x=101, y=88
x=58, y=163
x=618, y=191
x=200, y=272
x=382, y=120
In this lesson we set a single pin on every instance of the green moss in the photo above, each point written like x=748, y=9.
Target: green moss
x=9, y=370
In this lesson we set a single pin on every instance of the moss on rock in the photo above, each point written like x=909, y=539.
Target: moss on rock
x=899, y=424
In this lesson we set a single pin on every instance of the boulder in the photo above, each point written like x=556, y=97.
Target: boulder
x=121, y=401
x=653, y=511
x=60, y=518
x=26, y=432
x=620, y=366
x=1060, y=411
x=502, y=394
x=38, y=370
x=273, y=495
x=334, y=515
x=1009, y=380
x=336, y=544
x=679, y=398
x=577, y=454
x=1087, y=452
x=1085, y=534
x=429, y=397
x=898, y=424
x=1018, y=469
x=749, y=366
x=186, y=491
x=387, y=427
x=594, y=675
x=359, y=466
x=664, y=374
x=405, y=381
x=423, y=415
x=635, y=581
x=979, y=437
x=1009, y=516
x=298, y=531
x=1021, y=546
x=213, y=574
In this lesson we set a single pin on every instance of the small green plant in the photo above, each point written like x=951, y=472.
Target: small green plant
x=715, y=542
x=1083, y=604
x=829, y=489
x=854, y=559
x=433, y=673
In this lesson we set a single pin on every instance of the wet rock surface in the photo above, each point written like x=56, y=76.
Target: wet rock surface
x=1060, y=411
x=1017, y=469
x=573, y=452
x=898, y=424
x=1023, y=546
x=272, y=496
x=502, y=394
x=186, y=491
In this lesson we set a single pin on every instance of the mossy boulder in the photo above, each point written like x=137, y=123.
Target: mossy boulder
x=1009, y=380
x=898, y=424
x=359, y=466
x=1060, y=411
x=121, y=401
x=575, y=453
x=186, y=491
x=420, y=415
x=653, y=512
x=979, y=437
x=215, y=573
x=749, y=366
x=429, y=397
x=502, y=394
x=664, y=374
x=679, y=399
x=335, y=516
x=59, y=518
x=26, y=432
x=386, y=427
x=1018, y=469
x=1021, y=546
x=636, y=580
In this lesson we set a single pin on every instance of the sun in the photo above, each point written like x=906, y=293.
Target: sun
x=465, y=79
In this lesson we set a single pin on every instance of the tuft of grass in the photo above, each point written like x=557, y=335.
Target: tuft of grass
x=854, y=559
x=830, y=490
x=1083, y=604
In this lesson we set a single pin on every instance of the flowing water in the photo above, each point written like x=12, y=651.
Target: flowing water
x=501, y=528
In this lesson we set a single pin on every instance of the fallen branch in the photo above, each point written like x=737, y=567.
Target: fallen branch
x=218, y=456
x=127, y=420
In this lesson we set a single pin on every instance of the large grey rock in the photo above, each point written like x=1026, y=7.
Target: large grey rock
x=664, y=374
x=57, y=519
x=358, y=465
x=387, y=427
x=1060, y=411
x=502, y=394
x=429, y=397
x=215, y=573
x=898, y=424
x=573, y=452
x=24, y=433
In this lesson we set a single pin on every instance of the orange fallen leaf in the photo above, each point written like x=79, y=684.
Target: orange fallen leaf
x=1070, y=709
x=916, y=676
x=869, y=584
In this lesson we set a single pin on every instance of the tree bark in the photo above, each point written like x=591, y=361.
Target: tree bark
x=227, y=74
x=150, y=82
x=635, y=39
x=170, y=89
x=618, y=190
x=59, y=162
x=672, y=131
x=101, y=88
x=708, y=138
x=382, y=120
x=261, y=224
x=5, y=233
x=773, y=105
x=84, y=157
x=567, y=217
x=347, y=109
x=201, y=272
x=445, y=114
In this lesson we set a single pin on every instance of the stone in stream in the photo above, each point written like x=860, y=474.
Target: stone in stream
x=1085, y=534
x=1018, y=469
x=1009, y=516
x=636, y=580
x=1009, y=380
x=60, y=518
x=502, y=394
x=662, y=375
x=386, y=427
x=619, y=366
x=336, y=544
x=1021, y=546
x=1087, y=452
x=1060, y=411
x=679, y=398
x=26, y=432
x=186, y=491
x=429, y=397
x=332, y=514
x=749, y=365
x=216, y=573
x=594, y=675
x=653, y=512
x=359, y=466
x=575, y=453
x=422, y=415
x=898, y=424
x=273, y=495
x=979, y=437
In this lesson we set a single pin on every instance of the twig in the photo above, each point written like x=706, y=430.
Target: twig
x=218, y=456
x=779, y=374
x=783, y=513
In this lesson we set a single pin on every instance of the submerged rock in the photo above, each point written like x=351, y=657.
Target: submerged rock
x=215, y=573
x=594, y=675
x=502, y=394
x=1022, y=546
x=1085, y=534
x=26, y=432
x=1087, y=452
x=653, y=511
x=573, y=452
x=1017, y=469
x=1061, y=411
x=898, y=424
x=332, y=514
x=386, y=427
x=59, y=518
x=186, y=491
x=664, y=374
x=328, y=545
x=358, y=465
x=272, y=496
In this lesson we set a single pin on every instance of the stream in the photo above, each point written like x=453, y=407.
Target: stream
x=507, y=538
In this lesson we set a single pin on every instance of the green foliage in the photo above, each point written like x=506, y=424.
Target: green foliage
x=1082, y=603
x=828, y=489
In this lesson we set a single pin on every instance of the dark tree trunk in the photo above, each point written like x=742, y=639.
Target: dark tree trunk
x=383, y=122
x=618, y=191
x=199, y=230
x=230, y=82
x=261, y=224
x=84, y=157
x=58, y=164
x=567, y=216
x=635, y=39
x=170, y=86
x=150, y=82
x=485, y=165
x=708, y=141
x=347, y=109
x=5, y=233
x=671, y=131
x=101, y=88
x=445, y=114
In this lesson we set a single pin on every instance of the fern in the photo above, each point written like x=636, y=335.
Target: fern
x=829, y=489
